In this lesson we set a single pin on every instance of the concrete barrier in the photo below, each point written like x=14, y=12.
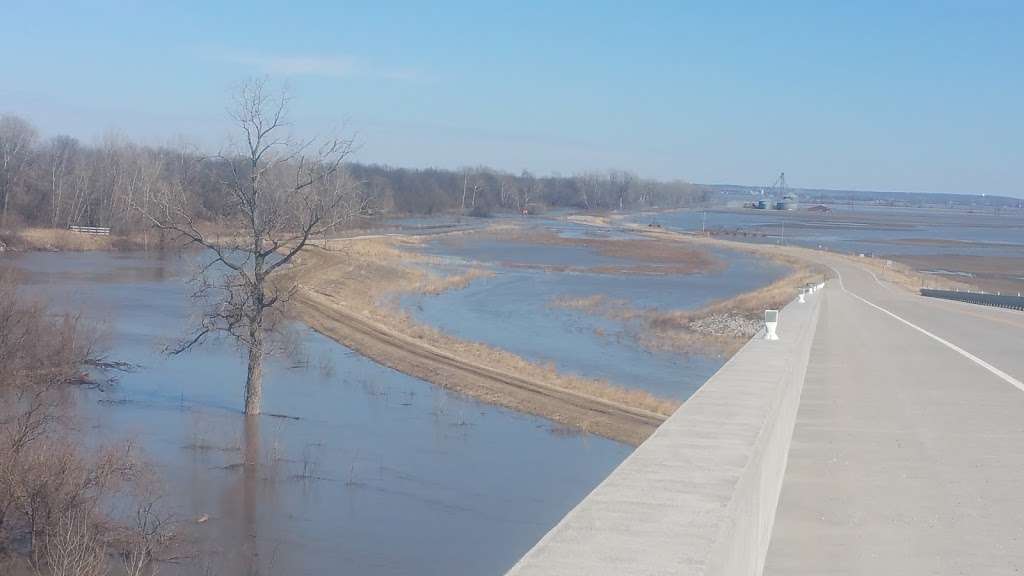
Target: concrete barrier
x=699, y=496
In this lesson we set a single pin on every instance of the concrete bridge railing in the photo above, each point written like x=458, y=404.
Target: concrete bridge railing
x=699, y=496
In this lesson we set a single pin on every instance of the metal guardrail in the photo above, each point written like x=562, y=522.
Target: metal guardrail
x=981, y=298
x=90, y=230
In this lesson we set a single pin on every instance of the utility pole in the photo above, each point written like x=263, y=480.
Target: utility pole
x=703, y=219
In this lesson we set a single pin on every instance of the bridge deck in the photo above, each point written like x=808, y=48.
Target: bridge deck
x=699, y=495
x=907, y=455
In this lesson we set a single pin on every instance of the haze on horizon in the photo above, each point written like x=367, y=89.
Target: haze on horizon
x=910, y=97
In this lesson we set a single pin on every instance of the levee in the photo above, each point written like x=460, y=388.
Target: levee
x=699, y=496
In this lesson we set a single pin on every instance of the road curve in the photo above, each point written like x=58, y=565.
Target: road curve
x=909, y=443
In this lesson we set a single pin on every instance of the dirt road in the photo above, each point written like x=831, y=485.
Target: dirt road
x=417, y=358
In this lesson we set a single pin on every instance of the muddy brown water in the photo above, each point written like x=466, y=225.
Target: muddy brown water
x=363, y=470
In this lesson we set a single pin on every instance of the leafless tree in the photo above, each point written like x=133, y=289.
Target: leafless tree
x=16, y=139
x=73, y=547
x=144, y=540
x=622, y=184
x=58, y=158
x=283, y=193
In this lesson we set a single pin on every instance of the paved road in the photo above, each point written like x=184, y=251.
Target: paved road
x=908, y=452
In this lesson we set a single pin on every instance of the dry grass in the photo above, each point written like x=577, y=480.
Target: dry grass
x=904, y=276
x=1003, y=274
x=57, y=493
x=675, y=330
x=364, y=275
x=435, y=284
x=647, y=256
x=62, y=240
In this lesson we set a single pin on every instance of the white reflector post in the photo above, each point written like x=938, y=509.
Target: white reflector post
x=771, y=321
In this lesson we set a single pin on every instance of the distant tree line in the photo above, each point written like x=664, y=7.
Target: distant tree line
x=483, y=190
x=61, y=182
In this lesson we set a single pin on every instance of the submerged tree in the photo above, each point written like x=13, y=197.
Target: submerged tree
x=283, y=192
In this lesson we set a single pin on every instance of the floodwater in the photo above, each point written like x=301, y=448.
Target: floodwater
x=363, y=470
x=516, y=309
x=877, y=231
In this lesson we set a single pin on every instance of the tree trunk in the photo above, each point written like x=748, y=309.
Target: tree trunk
x=254, y=379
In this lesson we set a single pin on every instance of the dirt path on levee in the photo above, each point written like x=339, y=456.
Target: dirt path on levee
x=422, y=360
x=342, y=294
x=345, y=292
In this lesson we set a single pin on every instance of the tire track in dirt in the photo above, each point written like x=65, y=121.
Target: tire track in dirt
x=419, y=359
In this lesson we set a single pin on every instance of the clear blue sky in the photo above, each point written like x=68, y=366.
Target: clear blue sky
x=921, y=96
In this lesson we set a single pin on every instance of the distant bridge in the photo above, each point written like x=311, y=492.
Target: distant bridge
x=882, y=434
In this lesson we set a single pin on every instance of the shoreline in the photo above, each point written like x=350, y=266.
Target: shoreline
x=62, y=240
x=343, y=299
x=346, y=288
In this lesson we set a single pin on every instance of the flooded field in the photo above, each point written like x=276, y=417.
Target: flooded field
x=363, y=470
x=881, y=232
x=517, y=308
x=985, y=249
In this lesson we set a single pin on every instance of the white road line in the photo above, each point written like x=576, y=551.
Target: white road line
x=1006, y=377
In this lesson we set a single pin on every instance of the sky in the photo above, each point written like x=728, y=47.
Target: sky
x=906, y=96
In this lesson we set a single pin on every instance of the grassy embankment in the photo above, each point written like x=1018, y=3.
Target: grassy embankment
x=61, y=240
x=348, y=291
x=720, y=327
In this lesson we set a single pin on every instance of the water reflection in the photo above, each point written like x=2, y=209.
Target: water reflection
x=380, y=474
x=523, y=301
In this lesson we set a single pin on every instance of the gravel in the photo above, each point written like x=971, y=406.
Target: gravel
x=727, y=324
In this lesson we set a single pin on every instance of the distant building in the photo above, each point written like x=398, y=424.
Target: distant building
x=788, y=202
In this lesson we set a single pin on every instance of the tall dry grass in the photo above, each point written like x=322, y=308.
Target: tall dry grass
x=365, y=275
x=682, y=330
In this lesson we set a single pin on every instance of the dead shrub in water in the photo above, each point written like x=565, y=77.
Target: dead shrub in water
x=74, y=548
x=55, y=495
x=720, y=327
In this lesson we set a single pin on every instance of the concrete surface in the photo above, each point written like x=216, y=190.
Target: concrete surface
x=908, y=451
x=699, y=496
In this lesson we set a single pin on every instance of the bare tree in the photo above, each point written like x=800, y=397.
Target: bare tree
x=74, y=548
x=16, y=139
x=61, y=154
x=283, y=192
